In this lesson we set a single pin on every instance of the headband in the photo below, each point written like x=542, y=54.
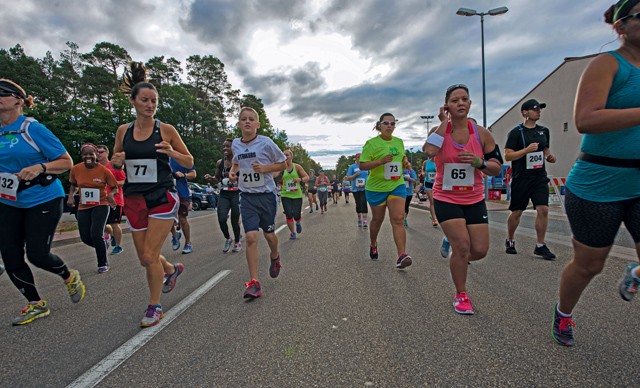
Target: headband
x=11, y=88
x=622, y=8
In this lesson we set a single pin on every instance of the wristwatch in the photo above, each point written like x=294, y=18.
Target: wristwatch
x=483, y=165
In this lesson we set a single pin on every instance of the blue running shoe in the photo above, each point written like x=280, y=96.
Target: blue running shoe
x=113, y=241
x=117, y=250
x=628, y=285
x=175, y=241
x=298, y=227
x=444, y=248
x=293, y=236
x=188, y=248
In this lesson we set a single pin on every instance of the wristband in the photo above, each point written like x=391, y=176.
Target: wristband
x=477, y=163
x=435, y=140
x=44, y=168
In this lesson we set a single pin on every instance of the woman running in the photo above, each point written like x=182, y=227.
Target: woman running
x=322, y=185
x=462, y=151
x=335, y=189
x=410, y=180
x=30, y=201
x=429, y=179
x=606, y=113
x=143, y=148
x=385, y=188
x=292, y=175
x=358, y=180
x=312, y=191
x=346, y=189
x=92, y=179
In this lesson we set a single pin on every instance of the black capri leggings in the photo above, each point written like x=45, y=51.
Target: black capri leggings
x=229, y=200
x=361, y=202
x=292, y=208
x=407, y=202
x=91, y=224
x=32, y=228
x=322, y=197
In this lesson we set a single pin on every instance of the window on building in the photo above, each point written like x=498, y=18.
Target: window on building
x=566, y=127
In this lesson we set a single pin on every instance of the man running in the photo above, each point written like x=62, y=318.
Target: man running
x=115, y=215
x=528, y=149
x=182, y=175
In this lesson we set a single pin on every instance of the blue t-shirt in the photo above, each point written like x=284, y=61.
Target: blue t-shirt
x=430, y=171
x=598, y=183
x=181, y=184
x=357, y=183
x=408, y=184
x=16, y=154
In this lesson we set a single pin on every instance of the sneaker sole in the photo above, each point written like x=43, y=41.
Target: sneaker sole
x=461, y=312
x=144, y=325
x=252, y=296
x=621, y=286
x=545, y=258
x=404, y=263
x=42, y=315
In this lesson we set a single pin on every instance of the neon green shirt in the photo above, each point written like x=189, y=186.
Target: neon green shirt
x=289, y=184
x=377, y=148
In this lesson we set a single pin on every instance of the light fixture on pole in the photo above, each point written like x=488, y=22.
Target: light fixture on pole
x=428, y=118
x=491, y=12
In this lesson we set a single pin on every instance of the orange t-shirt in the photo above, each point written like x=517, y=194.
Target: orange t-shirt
x=92, y=183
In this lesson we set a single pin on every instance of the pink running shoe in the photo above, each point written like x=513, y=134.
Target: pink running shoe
x=462, y=304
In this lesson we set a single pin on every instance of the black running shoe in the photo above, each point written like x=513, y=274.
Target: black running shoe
x=274, y=268
x=544, y=252
x=403, y=261
x=511, y=247
x=373, y=253
x=562, y=329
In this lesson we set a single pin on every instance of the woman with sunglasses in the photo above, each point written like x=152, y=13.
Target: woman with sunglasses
x=385, y=189
x=30, y=201
x=151, y=202
x=91, y=179
x=462, y=151
x=607, y=113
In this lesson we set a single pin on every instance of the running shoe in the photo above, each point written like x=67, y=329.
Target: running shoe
x=188, y=248
x=293, y=236
x=175, y=241
x=562, y=329
x=373, y=253
x=510, y=247
x=365, y=223
x=227, y=245
x=75, y=286
x=359, y=223
x=237, y=247
x=445, y=247
x=31, y=312
x=103, y=269
x=253, y=289
x=543, y=252
x=434, y=223
x=462, y=304
x=117, y=250
x=628, y=285
x=311, y=211
x=152, y=316
x=170, y=281
x=403, y=261
x=316, y=207
x=406, y=224
x=106, y=237
x=113, y=241
x=1, y=269
x=274, y=268
x=298, y=227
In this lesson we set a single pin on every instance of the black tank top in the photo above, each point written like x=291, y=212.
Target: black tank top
x=224, y=173
x=140, y=159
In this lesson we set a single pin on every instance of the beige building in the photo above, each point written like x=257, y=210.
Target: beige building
x=558, y=91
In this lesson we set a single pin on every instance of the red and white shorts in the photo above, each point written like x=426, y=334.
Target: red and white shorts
x=137, y=213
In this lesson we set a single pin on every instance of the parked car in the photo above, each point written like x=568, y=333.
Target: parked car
x=200, y=200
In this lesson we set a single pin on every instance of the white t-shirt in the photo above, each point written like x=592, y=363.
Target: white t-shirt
x=261, y=150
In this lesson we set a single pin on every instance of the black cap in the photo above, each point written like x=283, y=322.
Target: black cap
x=532, y=104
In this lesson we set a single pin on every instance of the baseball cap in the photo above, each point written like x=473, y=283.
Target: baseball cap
x=532, y=104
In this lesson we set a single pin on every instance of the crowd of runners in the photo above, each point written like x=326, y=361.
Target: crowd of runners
x=147, y=177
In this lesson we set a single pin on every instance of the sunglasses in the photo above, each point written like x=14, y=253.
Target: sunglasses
x=101, y=151
x=392, y=123
x=632, y=16
x=7, y=94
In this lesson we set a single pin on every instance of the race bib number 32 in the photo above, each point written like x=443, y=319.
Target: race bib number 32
x=249, y=178
x=9, y=186
x=458, y=177
x=142, y=170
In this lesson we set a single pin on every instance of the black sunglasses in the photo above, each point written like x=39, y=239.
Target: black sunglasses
x=392, y=123
x=7, y=94
x=632, y=16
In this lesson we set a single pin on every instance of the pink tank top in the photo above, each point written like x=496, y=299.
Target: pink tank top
x=458, y=190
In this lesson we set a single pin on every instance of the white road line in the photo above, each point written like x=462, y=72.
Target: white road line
x=281, y=227
x=98, y=372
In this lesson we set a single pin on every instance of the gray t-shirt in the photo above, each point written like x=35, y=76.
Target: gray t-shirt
x=261, y=150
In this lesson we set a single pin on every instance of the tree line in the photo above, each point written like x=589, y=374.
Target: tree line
x=77, y=97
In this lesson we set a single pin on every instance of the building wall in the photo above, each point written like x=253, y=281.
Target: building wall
x=558, y=91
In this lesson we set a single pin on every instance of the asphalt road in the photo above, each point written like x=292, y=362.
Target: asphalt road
x=333, y=318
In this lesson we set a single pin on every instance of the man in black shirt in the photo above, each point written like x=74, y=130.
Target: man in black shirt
x=528, y=149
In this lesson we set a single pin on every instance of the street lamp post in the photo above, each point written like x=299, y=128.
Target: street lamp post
x=491, y=12
x=428, y=118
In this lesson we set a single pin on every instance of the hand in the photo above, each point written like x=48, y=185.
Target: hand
x=208, y=177
x=443, y=115
x=71, y=202
x=532, y=147
x=179, y=174
x=111, y=201
x=29, y=173
x=259, y=168
x=297, y=180
x=551, y=158
x=117, y=160
x=164, y=148
x=387, y=158
x=468, y=157
x=232, y=177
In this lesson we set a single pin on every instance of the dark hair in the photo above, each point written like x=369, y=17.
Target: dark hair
x=102, y=147
x=619, y=10
x=230, y=140
x=377, y=126
x=451, y=88
x=135, y=79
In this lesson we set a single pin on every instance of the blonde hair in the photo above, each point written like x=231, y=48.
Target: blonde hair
x=28, y=100
x=248, y=108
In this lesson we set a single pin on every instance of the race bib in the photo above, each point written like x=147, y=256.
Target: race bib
x=392, y=171
x=90, y=196
x=431, y=176
x=9, y=186
x=458, y=177
x=406, y=184
x=322, y=188
x=142, y=170
x=250, y=178
x=535, y=160
x=292, y=186
x=360, y=182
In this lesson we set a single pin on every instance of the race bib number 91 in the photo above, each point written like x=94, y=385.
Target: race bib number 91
x=90, y=196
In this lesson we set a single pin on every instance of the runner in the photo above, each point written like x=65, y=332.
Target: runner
x=528, y=148
x=312, y=191
x=346, y=189
x=115, y=215
x=255, y=159
x=429, y=179
x=30, y=201
x=229, y=199
x=385, y=188
x=182, y=175
x=603, y=188
x=462, y=151
x=292, y=175
x=151, y=203
x=410, y=180
x=358, y=180
x=91, y=179
x=335, y=189
x=322, y=185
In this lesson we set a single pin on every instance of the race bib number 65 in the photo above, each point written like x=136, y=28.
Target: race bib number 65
x=458, y=177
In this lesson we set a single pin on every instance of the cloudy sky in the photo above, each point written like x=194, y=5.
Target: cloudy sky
x=326, y=69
